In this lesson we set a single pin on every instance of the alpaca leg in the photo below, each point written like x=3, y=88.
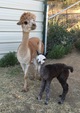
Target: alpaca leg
x=47, y=89
x=62, y=79
x=36, y=68
x=25, y=78
x=43, y=83
x=25, y=67
x=65, y=91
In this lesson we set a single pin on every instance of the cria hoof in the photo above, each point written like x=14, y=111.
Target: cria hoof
x=46, y=103
x=60, y=96
x=38, y=98
x=60, y=102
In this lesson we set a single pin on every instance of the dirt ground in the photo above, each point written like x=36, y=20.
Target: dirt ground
x=12, y=100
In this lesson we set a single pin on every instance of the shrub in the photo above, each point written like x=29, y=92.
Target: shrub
x=77, y=44
x=58, y=51
x=58, y=35
x=68, y=49
x=60, y=41
x=75, y=32
x=8, y=60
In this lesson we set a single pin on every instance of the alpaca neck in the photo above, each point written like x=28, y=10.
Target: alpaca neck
x=42, y=65
x=24, y=51
x=25, y=38
x=24, y=45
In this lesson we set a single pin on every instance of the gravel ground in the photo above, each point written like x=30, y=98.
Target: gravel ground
x=12, y=100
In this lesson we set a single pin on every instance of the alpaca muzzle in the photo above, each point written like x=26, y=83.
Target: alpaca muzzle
x=33, y=27
x=19, y=23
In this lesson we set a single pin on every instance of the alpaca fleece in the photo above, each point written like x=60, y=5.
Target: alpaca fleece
x=50, y=71
x=26, y=52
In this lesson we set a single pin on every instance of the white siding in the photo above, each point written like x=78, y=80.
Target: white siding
x=10, y=12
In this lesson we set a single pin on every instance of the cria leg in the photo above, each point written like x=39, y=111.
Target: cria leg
x=47, y=89
x=63, y=81
x=42, y=88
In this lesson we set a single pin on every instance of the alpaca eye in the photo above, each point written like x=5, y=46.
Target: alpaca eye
x=25, y=22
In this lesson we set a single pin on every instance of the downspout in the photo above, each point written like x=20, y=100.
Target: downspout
x=45, y=25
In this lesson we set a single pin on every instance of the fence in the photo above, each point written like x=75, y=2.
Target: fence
x=68, y=17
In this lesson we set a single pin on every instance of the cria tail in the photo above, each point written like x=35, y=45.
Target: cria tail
x=70, y=68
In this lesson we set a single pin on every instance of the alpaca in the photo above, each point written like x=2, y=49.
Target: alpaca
x=50, y=71
x=26, y=52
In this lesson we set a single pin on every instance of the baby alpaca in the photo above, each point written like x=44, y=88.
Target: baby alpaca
x=47, y=73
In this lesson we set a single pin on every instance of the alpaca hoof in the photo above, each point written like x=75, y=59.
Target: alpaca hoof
x=60, y=102
x=25, y=90
x=39, y=78
x=38, y=98
x=60, y=96
x=32, y=78
x=46, y=103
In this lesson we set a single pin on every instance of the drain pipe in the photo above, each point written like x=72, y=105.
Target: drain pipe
x=45, y=26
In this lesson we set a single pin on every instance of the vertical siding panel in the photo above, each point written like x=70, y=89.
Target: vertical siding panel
x=10, y=12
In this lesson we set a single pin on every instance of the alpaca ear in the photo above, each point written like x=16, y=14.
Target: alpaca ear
x=19, y=23
x=37, y=53
x=45, y=54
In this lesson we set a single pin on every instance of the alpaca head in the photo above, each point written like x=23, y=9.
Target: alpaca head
x=40, y=59
x=27, y=21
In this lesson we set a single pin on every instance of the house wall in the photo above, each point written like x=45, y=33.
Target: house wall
x=10, y=12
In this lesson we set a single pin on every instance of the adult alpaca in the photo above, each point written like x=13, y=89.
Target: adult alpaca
x=27, y=49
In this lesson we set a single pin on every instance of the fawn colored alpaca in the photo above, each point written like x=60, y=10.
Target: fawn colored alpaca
x=27, y=49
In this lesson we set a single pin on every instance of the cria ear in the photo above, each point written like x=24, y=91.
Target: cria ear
x=38, y=53
x=45, y=54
